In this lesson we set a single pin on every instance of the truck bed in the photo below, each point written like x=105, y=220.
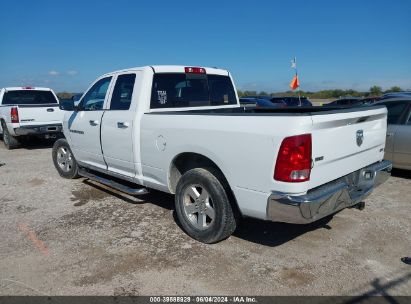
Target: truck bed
x=288, y=111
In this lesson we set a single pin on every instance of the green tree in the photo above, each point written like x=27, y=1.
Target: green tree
x=375, y=90
x=394, y=89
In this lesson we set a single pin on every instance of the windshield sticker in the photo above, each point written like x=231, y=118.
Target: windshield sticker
x=162, y=97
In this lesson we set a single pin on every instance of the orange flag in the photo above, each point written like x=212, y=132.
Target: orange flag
x=294, y=83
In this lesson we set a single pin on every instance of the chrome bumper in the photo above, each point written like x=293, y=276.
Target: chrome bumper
x=329, y=198
x=40, y=129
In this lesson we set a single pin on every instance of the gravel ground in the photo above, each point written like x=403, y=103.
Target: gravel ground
x=75, y=237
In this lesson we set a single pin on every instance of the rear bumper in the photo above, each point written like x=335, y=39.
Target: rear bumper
x=329, y=198
x=38, y=129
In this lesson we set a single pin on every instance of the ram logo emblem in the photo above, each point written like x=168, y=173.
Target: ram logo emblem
x=360, y=137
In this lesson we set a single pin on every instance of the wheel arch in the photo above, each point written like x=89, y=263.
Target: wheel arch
x=186, y=161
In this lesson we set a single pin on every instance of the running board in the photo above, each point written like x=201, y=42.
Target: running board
x=112, y=184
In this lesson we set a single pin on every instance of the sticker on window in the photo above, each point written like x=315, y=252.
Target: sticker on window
x=162, y=97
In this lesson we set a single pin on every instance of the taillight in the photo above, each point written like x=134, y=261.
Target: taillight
x=195, y=70
x=294, y=159
x=14, y=115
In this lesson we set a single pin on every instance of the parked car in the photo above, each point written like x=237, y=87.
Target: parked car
x=292, y=101
x=28, y=111
x=275, y=102
x=370, y=99
x=248, y=101
x=395, y=95
x=398, y=146
x=181, y=130
x=346, y=102
x=260, y=102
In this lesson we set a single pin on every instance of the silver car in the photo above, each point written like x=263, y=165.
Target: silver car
x=398, y=145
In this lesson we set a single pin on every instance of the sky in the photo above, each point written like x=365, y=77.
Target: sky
x=346, y=44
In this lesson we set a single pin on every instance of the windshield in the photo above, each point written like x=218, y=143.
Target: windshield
x=28, y=97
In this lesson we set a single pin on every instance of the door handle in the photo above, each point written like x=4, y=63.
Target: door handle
x=122, y=124
x=94, y=122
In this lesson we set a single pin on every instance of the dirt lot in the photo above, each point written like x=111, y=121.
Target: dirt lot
x=73, y=237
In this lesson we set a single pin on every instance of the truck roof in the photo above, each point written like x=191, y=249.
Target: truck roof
x=171, y=69
x=26, y=88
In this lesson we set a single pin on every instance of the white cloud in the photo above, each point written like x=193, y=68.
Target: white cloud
x=53, y=73
x=72, y=73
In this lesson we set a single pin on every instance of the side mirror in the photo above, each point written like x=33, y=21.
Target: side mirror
x=67, y=105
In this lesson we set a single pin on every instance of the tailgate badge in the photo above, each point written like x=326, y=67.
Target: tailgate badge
x=360, y=137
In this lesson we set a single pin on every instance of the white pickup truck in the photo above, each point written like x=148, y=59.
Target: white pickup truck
x=181, y=130
x=28, y=111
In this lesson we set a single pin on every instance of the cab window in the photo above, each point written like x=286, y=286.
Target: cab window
x=94, y=98
x=176, y=90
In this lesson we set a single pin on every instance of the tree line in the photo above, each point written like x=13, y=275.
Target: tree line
x=323, y=94
x=326, y=94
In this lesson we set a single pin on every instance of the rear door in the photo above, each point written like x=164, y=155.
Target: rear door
x=84, y=125
x=346, y=141
x=118, y=126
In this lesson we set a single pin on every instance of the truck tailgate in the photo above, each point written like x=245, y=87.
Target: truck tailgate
x=40, y=114
x=345, y=142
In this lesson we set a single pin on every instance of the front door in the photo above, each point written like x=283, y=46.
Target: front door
x=118, y=127
x=85, y=124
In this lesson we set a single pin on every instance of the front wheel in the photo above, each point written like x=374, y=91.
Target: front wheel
x=203, y=207
x=64, y=160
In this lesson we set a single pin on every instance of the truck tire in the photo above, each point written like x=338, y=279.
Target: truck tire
x=64, y=160
x=203, y=207
x=11, y=142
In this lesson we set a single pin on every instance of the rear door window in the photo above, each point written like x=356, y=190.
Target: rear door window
x=395, y=111
x=28, y=97
x=123, y=91
x=175, y=90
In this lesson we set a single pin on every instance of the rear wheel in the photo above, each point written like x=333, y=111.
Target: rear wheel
x=203, y=207
x=64, y=160
x=10, y=141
